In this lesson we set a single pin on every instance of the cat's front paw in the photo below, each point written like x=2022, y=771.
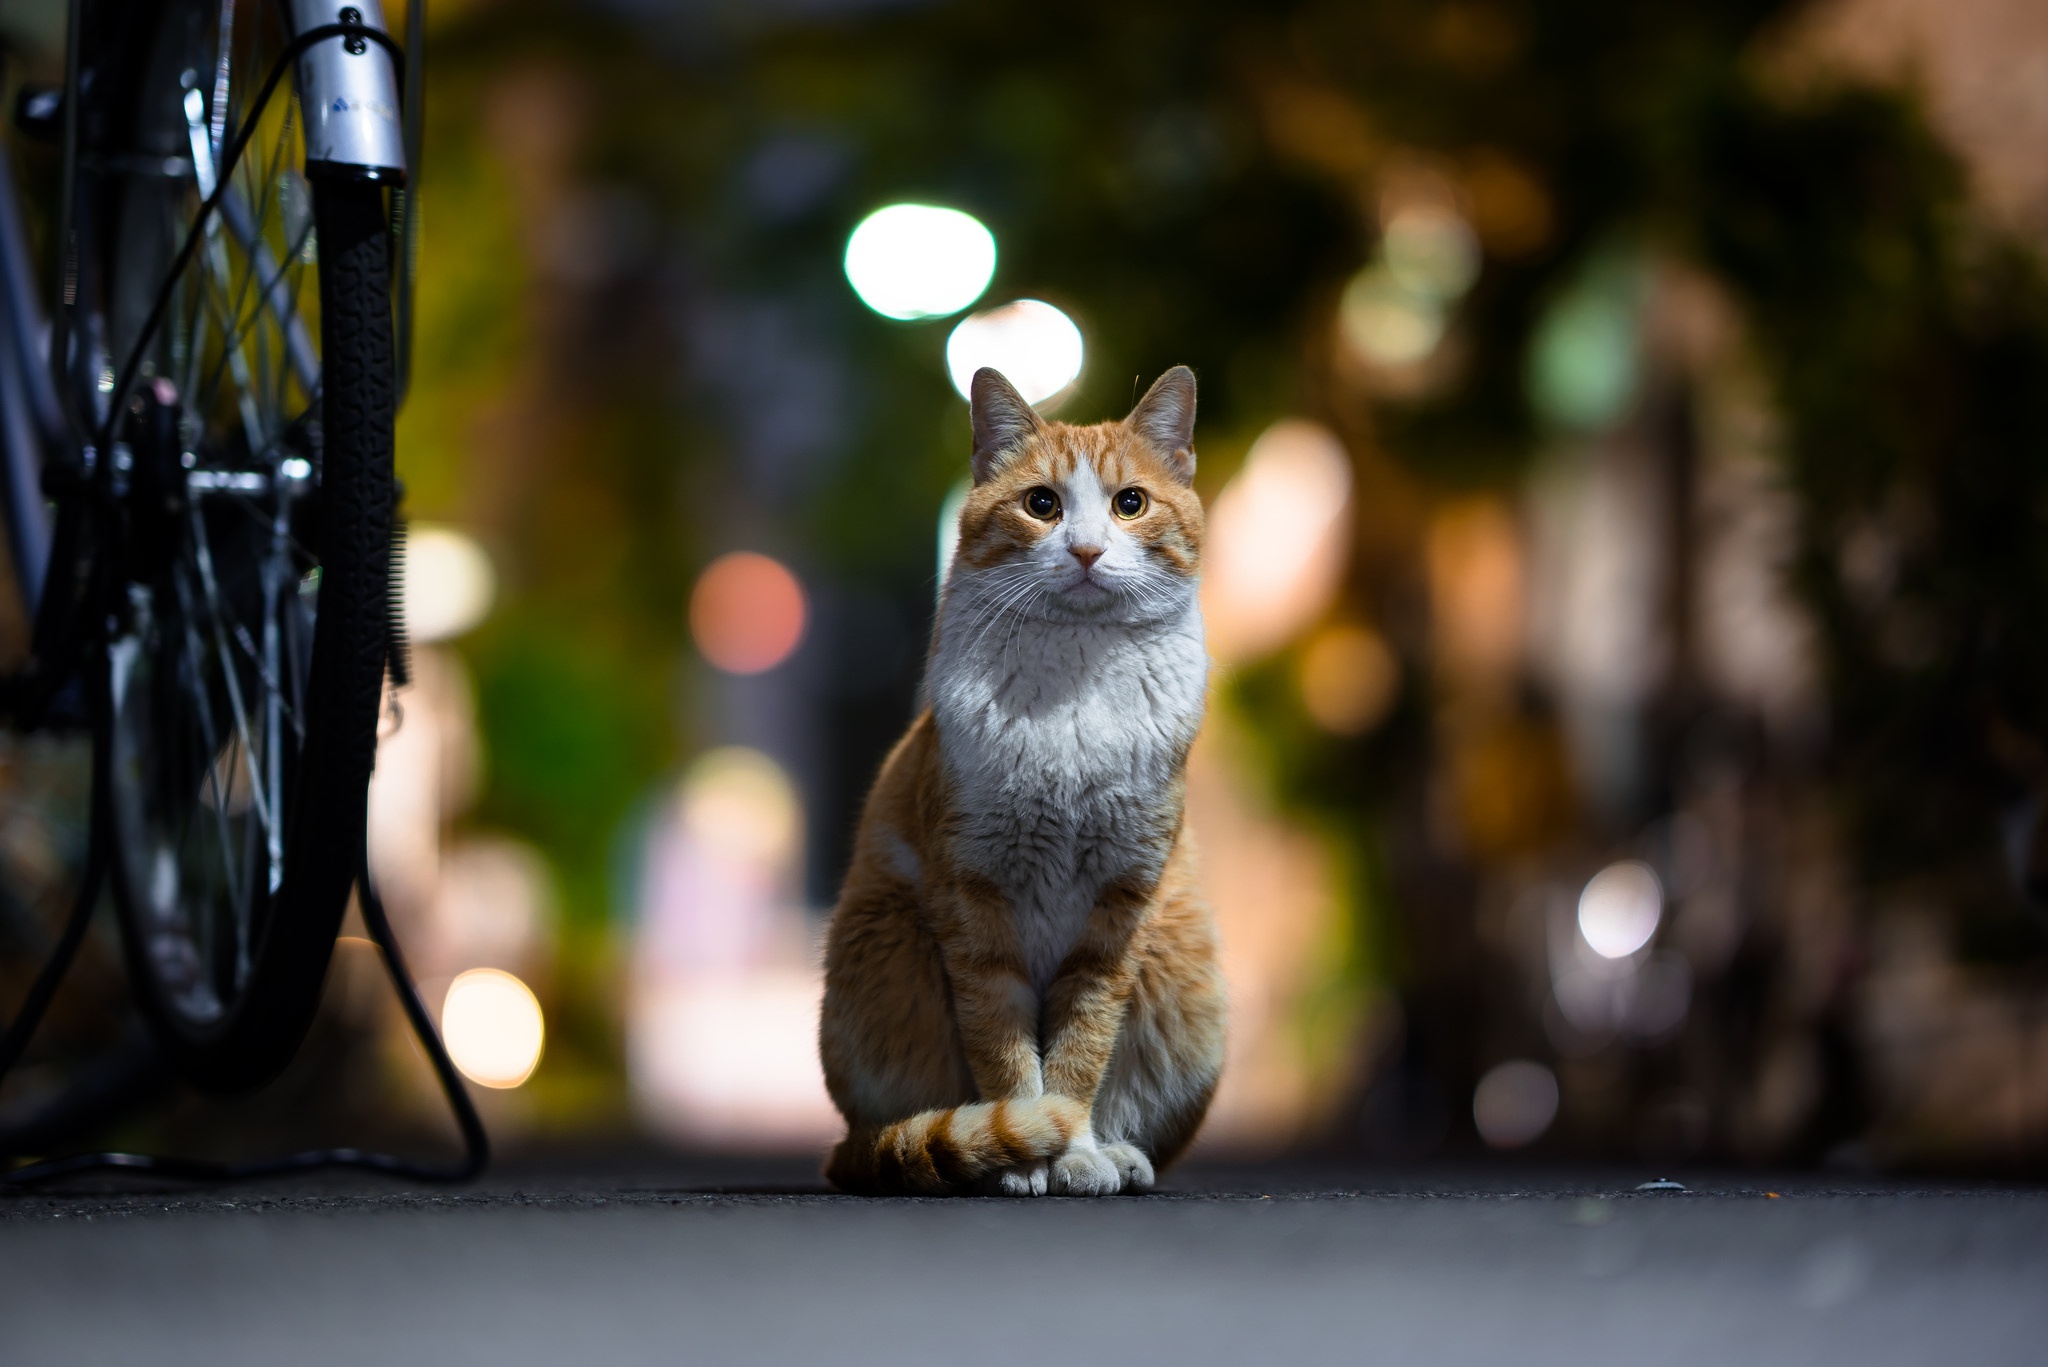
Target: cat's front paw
x=1026, y=1179
x=1085, y=1172
x=1132, y=1166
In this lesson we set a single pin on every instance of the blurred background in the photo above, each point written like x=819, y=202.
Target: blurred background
x=1625, y=435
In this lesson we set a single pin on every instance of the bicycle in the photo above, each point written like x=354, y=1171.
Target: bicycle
x=198, y=497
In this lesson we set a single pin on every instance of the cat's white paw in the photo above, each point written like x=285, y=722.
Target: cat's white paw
x=1131, y=1165
x=1026, y=1179
x=1085, y=1172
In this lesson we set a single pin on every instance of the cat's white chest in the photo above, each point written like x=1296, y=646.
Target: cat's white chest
x=1062, y=745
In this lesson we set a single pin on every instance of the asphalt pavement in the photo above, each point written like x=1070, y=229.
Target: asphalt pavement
x=673, y=1261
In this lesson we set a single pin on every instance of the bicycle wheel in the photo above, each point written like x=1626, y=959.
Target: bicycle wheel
x=247, y=553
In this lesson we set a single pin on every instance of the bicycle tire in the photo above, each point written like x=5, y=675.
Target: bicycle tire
x=249, y=1034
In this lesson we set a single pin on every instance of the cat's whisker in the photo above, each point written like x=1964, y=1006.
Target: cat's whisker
x=986, y=605
x=1016, y=632
x=1009, y=602
x=995, y=614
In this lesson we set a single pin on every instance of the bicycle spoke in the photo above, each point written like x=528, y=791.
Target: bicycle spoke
x=215, y=256
x=194, y=680
x=203, y=557
x=244, y=221
x=266, y=671
x=273, y=746
x=298, y=342
x=245, y=745
x=265, y=773
x=296, y=550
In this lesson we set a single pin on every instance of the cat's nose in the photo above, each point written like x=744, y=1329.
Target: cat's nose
x=1087, y=555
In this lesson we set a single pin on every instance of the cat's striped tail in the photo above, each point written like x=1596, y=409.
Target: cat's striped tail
x=951, y=1152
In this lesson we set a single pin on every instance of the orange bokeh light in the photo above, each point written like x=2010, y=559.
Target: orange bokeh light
x=747, y=612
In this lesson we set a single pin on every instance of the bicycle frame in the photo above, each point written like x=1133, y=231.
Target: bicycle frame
x=30, y=425
x=359, y=133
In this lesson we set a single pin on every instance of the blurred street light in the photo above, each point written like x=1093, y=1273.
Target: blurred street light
x=449, y=582
x=913, y=261
x=1037, y=347
x=492, y=1024
x=1620, y=908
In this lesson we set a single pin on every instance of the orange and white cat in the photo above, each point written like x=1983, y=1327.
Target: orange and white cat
x=1021, y=990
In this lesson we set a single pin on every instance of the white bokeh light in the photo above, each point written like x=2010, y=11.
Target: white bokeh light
x=1620, y=908
x=449, y=582
x=1279, y=537
x=1037, y=348
x=492, y=1024
x=919, y=261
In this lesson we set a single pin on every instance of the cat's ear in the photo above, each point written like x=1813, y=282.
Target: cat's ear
x=1002, y=421
x=1165, y=417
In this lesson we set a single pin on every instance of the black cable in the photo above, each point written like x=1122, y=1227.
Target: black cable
x=476, y=1143
x=354, y=31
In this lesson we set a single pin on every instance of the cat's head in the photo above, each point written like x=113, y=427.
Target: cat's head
x=1077, y=522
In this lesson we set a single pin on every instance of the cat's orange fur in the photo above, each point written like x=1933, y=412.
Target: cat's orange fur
x=956, y=1067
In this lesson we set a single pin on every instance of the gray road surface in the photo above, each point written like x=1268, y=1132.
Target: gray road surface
x=678, y=1265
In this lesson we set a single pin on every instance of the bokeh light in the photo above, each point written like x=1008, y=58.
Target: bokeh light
x=1394, y=313
x=1386, y=324
x=1620, y=908
x=449, y=583
x=1514, y=1103
x=1477, y=587
x=1431, y=251
x=1278, y=538
x=722, y=1023
x=1348, y=679
x=1037, y=347
x=492, y=1025
x=741, y=802
x=1583, y=368
x=919, y=261
x=722, y=879
x=747, y=612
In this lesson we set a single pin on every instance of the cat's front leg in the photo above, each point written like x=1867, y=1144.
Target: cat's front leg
x=996, y=1011
x=1084, y=1009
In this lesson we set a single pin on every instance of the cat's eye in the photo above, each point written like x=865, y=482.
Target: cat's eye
x=1042, y=503
x=1129, y=503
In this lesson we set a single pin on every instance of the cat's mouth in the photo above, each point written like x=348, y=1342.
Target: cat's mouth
x=1093, y=596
